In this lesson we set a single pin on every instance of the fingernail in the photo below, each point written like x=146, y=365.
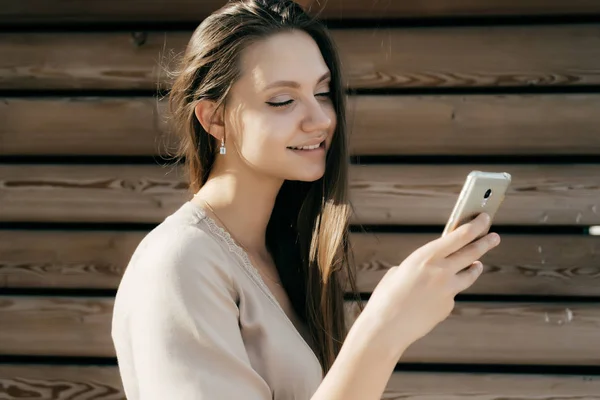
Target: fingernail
x=495, y=238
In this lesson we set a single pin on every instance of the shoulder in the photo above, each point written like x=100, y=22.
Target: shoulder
x=179, y=248
x=179, y=257
x=183, y=237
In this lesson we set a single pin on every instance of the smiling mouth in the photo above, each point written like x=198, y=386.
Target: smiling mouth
x=308, y=148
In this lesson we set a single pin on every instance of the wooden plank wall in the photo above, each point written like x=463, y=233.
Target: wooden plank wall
x=436, y=89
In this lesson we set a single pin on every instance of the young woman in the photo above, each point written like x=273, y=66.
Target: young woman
x=239, y=293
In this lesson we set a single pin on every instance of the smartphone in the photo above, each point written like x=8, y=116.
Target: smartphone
x=481, y=192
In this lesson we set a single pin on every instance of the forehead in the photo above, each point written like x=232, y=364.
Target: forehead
x=288, y=56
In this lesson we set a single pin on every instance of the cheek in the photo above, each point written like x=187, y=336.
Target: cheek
x=263, y=134
x=333, y=117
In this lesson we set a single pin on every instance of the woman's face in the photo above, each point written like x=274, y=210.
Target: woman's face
x=281, y=103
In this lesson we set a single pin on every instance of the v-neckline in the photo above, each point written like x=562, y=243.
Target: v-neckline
x=247, y=266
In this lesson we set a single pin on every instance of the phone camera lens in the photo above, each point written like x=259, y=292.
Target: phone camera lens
x=487, y=194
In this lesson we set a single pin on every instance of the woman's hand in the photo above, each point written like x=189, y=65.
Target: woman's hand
x=415, y=296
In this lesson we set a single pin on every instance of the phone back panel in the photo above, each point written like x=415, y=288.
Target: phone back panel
x=472, y=200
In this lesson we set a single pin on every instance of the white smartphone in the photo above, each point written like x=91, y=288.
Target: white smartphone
x=481, y=192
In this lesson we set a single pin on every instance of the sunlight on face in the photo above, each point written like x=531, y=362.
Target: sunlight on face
x=281, y=101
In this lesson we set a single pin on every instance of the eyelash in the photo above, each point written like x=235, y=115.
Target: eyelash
x=285, y=103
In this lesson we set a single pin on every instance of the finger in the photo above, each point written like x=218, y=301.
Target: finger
x=466, y=278
x=472, y=252
x=461, y=236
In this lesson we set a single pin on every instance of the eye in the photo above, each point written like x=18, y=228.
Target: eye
x=282, y=104
x=325, y=95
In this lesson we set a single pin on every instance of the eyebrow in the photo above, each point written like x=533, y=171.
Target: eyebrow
x=296, y=85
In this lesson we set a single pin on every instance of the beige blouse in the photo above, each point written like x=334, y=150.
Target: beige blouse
x=193, y=319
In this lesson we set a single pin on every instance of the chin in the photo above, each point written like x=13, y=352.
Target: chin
x=308, y=176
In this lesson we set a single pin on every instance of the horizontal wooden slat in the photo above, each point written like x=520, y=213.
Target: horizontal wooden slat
x=522, y=265
x=60, y=382
x=30, y=11
x=532, y=55
x=103, y=383
x=474, y=125
x=425, y=194
x=503, y=333
x=362, y=9
x=65, y=259
x=85, y=60
x=471, y=57
x=405, y=125
x=83, y=126
x=58, y=326
x=381, y=194
x=498, y=333
x=482, y=386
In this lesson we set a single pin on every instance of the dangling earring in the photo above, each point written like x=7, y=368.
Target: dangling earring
x=222, y=149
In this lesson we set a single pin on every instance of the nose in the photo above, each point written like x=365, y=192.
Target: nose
x=317, y=118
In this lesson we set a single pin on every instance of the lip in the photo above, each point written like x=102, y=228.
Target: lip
x=321, y=147
x=321, y=143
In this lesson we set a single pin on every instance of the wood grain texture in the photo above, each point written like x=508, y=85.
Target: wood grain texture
x=145, y=193
x=425, y=194
x=510, y=333
x=65, y=259
x=363, y=9
x=59, y=326
x=481, y=386
x=381, y=194
x=494, y=333
x=88, y=60
x=83, y=126
x=30, y=11
x=39, y=382
x=474, y=125
x=498, y=56
x=522, y=265
x=62, y=382
x=470, y=57
x=377, y=125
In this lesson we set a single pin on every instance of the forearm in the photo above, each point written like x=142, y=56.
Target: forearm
x=363, y=366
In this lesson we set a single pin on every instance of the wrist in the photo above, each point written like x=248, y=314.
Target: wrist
x=369, y=331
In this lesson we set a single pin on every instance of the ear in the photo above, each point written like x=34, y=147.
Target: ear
x=210, y=118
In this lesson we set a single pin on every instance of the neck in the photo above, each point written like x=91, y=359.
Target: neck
x=243, y=202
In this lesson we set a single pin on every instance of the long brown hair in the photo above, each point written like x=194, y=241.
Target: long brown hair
x=307, y=233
